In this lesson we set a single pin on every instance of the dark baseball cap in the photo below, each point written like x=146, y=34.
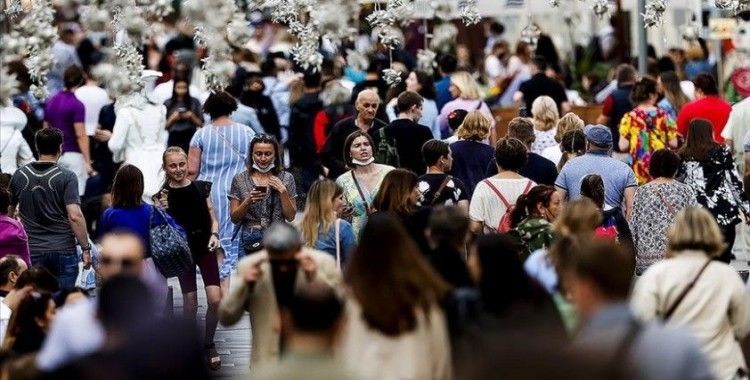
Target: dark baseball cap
x=456, y=118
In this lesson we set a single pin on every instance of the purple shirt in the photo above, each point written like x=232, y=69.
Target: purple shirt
x=13, y=239
x=61, y=112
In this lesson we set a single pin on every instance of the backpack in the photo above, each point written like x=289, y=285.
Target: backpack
x=386, y=153
x=505, y=220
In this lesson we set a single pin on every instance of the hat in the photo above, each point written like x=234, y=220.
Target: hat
x=280, y=237
x=598, y=135
x=456, y=118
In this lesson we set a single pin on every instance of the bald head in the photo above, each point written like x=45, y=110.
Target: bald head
x=367, y=104
x=121, y=253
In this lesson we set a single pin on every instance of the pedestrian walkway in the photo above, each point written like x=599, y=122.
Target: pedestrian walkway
x=232, y=343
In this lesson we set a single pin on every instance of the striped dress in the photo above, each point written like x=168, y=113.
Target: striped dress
x=224, y=150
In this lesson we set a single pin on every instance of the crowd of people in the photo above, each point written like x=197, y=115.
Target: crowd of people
x=370, y=231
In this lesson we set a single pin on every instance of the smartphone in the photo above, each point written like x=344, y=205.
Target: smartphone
x=262, y=189
x=181, y=109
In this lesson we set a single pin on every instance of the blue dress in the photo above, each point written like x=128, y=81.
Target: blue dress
x=223, y=154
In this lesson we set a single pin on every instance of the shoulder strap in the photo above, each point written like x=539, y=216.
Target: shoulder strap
x=527, y=188
x=479, y=105
x=440, y=189
x=665, y=201
x=361, y=193
x=231, y=146
x=499, y=194
x=685, y=292
x=337, y=227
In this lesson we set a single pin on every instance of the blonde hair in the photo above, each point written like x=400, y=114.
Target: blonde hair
x=319, y=213
x=466, y=84
x=694, y=52
x=568, y=122
x=476, y=126
x=544, y=111
x=579, y=217
x=694, y=228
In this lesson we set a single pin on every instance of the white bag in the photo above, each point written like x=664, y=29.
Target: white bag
x=86, y=277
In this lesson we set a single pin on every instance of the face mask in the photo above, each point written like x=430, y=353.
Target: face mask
x=263, y=170
x=363, y=163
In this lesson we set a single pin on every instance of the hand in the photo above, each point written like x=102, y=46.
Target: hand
x=187, y=115
x=255, y=196
x=276, y=183
x=15, y=296
x=163, y=199
x=90, y=170
x=254, y=273
x=173, y=117
x=213, y=243
x=87, y=258
x=102, y=135
x=308, y=265
x=345, y=211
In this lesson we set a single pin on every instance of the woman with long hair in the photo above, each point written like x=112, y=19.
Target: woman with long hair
x=568, y=122
x=533, y=216
x=30, y=323
x=545, y=117
x=189, y=203
x=184, y=114
x=655, y=206
x=708, y=168
x=716, y=309
x=217, y=153
x=467, y=96
x=572, y=145
x=395, y=328
x=613, y=225
x=645, y=129
x=262, y=194
x=400, y=196
x=471, y=155
x=363, y=181
x=321, y=226
x=668, y=84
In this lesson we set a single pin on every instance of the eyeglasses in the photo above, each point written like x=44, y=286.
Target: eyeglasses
x=125, y=264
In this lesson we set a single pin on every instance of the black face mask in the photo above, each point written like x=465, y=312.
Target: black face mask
x=284, y=265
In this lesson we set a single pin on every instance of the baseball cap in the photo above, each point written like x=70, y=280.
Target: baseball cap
x=598, y=135
x=456, y=118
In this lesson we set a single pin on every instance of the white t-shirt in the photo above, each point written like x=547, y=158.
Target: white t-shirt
x=486, y=206
x=544, y=140
x=493, y=67
x=5, y=313
x=553, y=153
x=93, y=99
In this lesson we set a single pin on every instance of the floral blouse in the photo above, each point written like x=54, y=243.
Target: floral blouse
x=647, y=131
x=654, y=209
x=352, y=196
x=717, y=186
x=534, y=233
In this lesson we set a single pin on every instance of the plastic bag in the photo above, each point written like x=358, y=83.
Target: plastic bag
x=86, y=277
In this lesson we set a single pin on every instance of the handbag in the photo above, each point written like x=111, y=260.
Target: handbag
x=169, y=248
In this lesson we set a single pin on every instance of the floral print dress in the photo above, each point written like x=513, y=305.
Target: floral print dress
x=647, y=130
x=352, y=196
x=654, y=210
x=717, y=186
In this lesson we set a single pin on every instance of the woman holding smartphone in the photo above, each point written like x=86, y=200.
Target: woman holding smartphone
x=261, y=195
x=189, y=203
x=184, y=115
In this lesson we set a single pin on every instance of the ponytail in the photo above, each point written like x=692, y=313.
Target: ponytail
x=520, y=211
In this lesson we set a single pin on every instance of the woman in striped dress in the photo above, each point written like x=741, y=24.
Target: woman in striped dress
x=217, y=153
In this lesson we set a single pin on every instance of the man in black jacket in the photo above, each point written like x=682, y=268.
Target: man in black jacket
x=332, y=155
x=304, y=161
x=405, y=134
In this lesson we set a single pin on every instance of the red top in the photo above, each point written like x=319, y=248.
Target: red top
x=712, y=108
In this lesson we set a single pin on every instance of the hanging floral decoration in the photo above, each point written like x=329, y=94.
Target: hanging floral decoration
x=8, y=87
x=654, y=12
x=211, y=31
x=691, y=31
x=601, y=8
x=469, y=12
x=426, y=61
x=530, y=34
x=238, y=30
x=554, y=3
x=736, y=6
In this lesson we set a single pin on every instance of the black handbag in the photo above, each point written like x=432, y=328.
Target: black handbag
x=169, y=248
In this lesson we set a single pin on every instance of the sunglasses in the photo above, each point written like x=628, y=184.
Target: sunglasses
x=126, y=264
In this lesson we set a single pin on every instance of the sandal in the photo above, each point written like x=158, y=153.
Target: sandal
x=214, y=359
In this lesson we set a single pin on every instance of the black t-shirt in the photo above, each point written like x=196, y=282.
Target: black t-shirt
x=188, y=207
x=408, y=138
x=537, y=168
x=539, y=85
x=453, y=192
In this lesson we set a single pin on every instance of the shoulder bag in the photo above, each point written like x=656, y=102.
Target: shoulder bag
x=169, y=248
x=368, y=208
x=440, y=189
x=684, y=293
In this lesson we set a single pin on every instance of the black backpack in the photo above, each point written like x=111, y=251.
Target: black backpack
x=386, y=152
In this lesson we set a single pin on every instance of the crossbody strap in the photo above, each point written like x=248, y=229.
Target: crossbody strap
x=337, y=227
x=497, y=191
x=685, y=292
x=231, y=146
x=361, y=193
x=440, y=189
x=664, y=200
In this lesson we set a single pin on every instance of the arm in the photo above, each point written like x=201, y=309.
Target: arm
x=565, y=107
x=624, y=144
x=238, y=209
x=212, y=214
x=83, y=144
x=287, y=193
x=644, y=301
x=25, y=155
x=739, y=310
x=629, y=194
x=194, y=162
x=463, y=206
x=603, y=119
x=78, y=225
x=476, y=227
x=234, y=303
x=119, y=133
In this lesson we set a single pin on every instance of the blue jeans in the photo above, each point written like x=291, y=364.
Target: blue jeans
x=62, y=264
